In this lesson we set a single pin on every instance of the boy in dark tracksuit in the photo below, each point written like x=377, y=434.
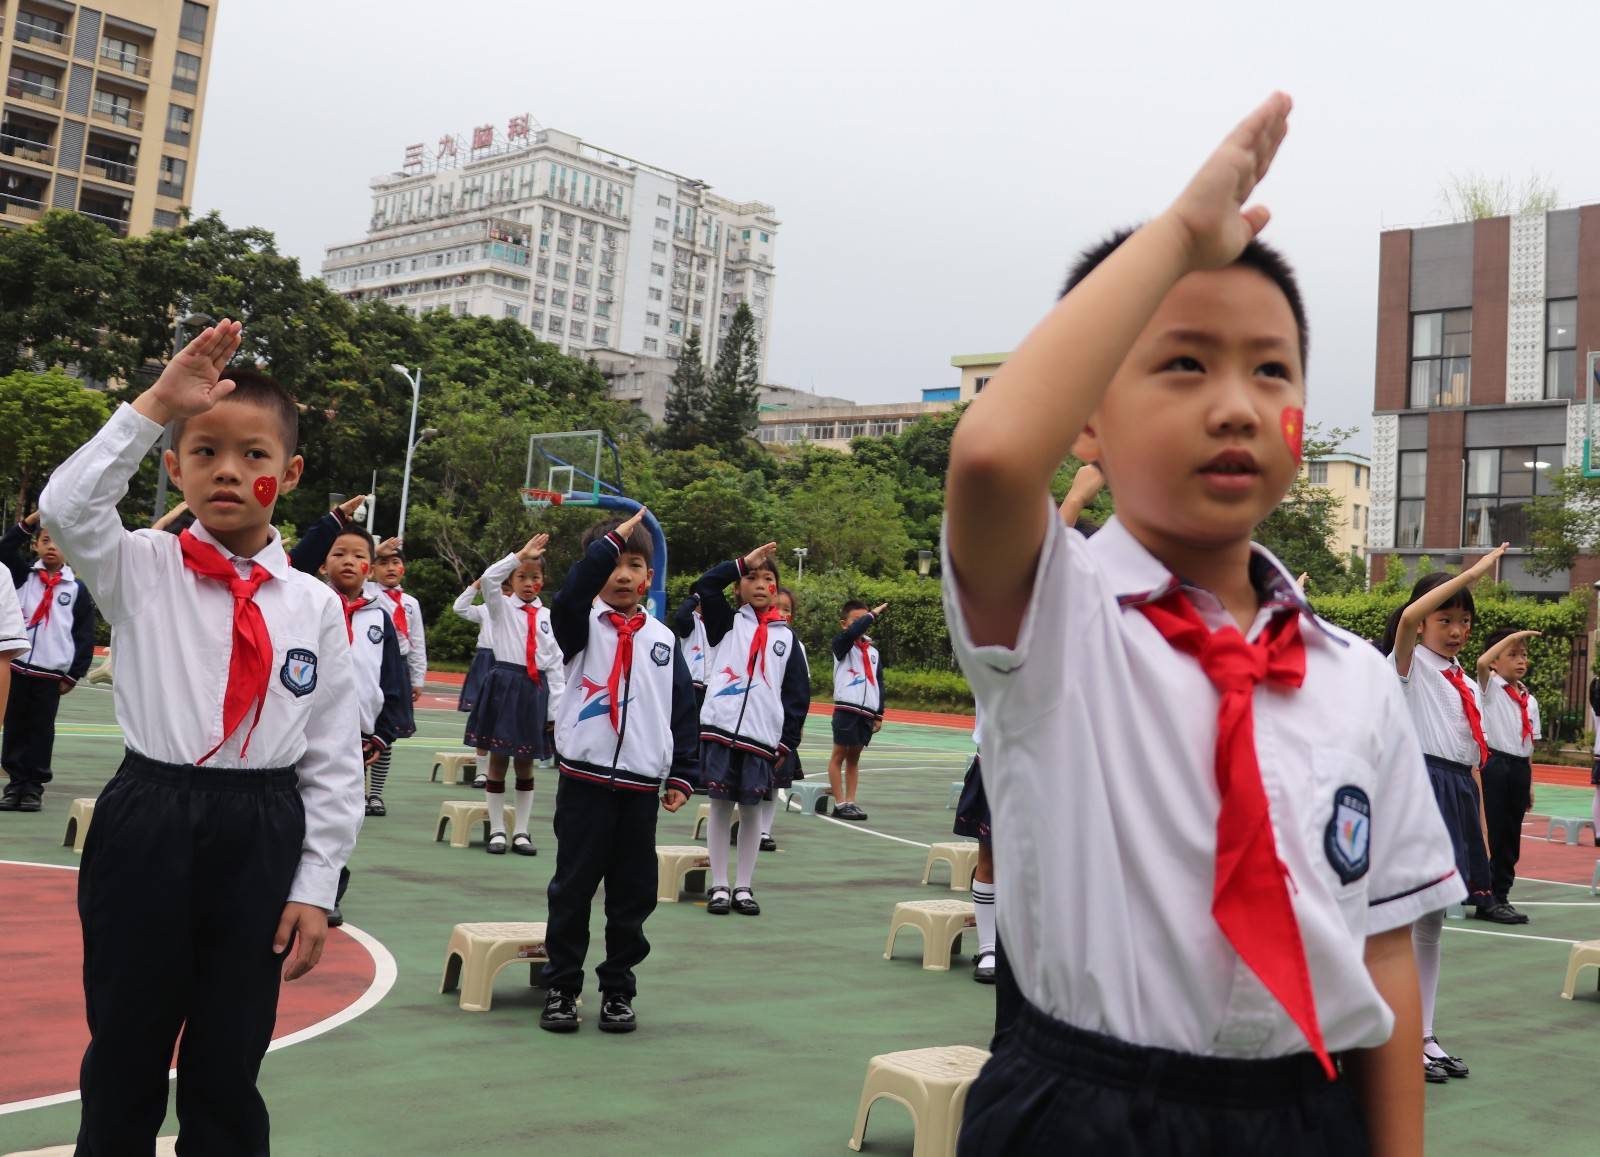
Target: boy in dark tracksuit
x=626, y=727
x=58, y=617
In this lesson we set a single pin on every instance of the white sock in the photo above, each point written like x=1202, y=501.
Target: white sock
x=769, y=809
x=983, y=908
x=524, y=805
x=749, y=842
x=1425, y=936
x=719, y=832
x=494, y=794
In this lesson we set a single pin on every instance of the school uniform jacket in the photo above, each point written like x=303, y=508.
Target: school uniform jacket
x=172, y=631
x=474, y=613
x=384, y=703
x=316, y=541
x=691, y=631
x=655, y=742
x=414, y=639
x=13, y=636
x=762, y=711
x=61, y=646
x=852, y=691
x=508, y=631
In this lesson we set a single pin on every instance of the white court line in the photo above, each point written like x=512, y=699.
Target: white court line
x=384, y=973
x=1558, y=903
x=1561, y=883
x=1509, y=935
x=874, y=832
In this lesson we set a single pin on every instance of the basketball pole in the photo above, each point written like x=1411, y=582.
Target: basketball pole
x=658, y=580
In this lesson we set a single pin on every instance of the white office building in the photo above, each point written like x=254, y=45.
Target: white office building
x=591, y=249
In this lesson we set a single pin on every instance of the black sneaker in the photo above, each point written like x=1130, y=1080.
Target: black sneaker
x=744, y=902
x=616, y=1013
x=560, y=1012
x=768, y=844
x=31, y=799
x=1452, y=1066
x=849, y=811
x=1522, y=917
x=11, y=798
x=1500, y=913
x=375, y=806
x=719, y=902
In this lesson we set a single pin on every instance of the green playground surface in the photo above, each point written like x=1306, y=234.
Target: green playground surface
x=756, y=1033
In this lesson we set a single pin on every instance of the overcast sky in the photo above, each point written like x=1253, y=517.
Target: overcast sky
x=934, y=164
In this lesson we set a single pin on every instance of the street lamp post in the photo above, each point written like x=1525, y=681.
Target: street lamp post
x=411, y=440
x=800, y=554
x=187, y=322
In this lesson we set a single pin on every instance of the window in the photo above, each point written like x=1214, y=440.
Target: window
x=1413, y=492
x=1561, y=349
x=186, y=72
x=1359, y=475
x=564, y=246
x=119, y=54
x=674, y=326
x=659, y=246
x=536, y=319
x=173, y=174
x=192, y=25
x=544, y=267
x=819, y=431
x=848, y=430
x=651, y=345
x=652, y=319
x=180, y=121
x=582, y=277
x=514, y=312
x=1500, y=484
x=658, y=270
x=605, y=282
x=655, y=294
x=602, y=309
x=1317, y=473
x=979, y=383
x=558, y=298
x=538, y=293
x=1441, y=358
x=663, y=202
x=764, y=237
x=580, y=303
x=602, y=335
x=557, y=324
x=32, y=26
x=576, y=328
x=663, y=223
x=563, y=271
x=585, y=252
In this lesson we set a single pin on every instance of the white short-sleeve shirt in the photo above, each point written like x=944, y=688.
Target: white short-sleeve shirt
x=1502, y=718
x=1436, y=709
x=13, y=632
x=1098, y=746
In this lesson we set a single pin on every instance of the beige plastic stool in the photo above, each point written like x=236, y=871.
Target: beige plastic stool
x=477, y=953
x=932, y=1084
x=962, y=858
x=675, y=863
x=461, y=814
x=702, y=817
x=165, y=1147
x=78, y=817
x=941, y=923
x=451, y=766
x=1585, y=954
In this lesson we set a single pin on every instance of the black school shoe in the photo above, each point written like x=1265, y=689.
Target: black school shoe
x=1500, y=913
x=982, y=972
x=768, y=844
x=496, y=845
x=848, y=811
x=1452, y=1066
x=718, y=902
x=1432, y=1072
x=616, y=1013
x=375, y=806
x=560, y=1012
x=522, y=844
x=744, y=902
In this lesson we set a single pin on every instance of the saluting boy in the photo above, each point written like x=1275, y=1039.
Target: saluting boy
x=217, y=845
x=857, y=703
x=1231, y=971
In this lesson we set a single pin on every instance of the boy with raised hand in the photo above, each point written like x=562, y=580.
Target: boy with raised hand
x=857, y=703
x=59, y=618
x=217, y=846
x=1233, y=968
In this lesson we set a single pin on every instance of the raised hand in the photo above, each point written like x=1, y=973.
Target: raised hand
x=534, y=549
x=170, y=516
x=192, y=382
x=387, y=547
x=760, y=555
x=350, y=505
x=879, y=609
x=1489, y=561
x=32, y=520
x=1211, y=212
x=631, y=524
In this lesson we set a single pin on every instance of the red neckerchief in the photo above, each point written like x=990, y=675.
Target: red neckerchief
x=1250, y=895
x=351, y=606
x=622, y=665
x=532, y=657
x=758, y=641
x=250, y=664
x=1469, y=706
x=41, y=613
x=866, y=660
x=1519, y=695
x=399, y=613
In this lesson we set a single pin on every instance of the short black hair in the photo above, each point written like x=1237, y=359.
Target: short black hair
x=770, y=565
x=1257, y=255
x=1460, y=601
x=638, y=542
x=1499, y=635
x=251, y=385
x=794, y=603
x=852, y=605
x=351, y=530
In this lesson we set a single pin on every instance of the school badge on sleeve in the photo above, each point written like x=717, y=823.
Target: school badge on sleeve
x=660, y=654
x=375, y=633
x=1348, y=840
x=299, y=671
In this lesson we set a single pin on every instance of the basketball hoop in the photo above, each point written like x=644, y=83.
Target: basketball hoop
x=536, y=499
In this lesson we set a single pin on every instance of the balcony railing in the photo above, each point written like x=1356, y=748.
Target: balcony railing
x=14, y=206
x=118, y=225
x=122, y=62
x=119, y=115
x=30, y=33
x=122, y=172
x=12, y=145
x=33, y=92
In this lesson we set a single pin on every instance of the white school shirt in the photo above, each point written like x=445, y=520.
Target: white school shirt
x=1099, y=743
x=172, y=631
x=474, y=613
x=508, y=631
x=414, y=639
x=1435, y=706
x=13, y=628
x=1502, y=718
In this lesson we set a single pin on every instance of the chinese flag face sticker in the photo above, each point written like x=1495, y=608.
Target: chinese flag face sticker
x=265, y=489
x=1293, y=422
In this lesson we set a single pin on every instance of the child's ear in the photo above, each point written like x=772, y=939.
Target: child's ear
x=649, y=576
x=1086, y=446
x=291, y=474
x=169, y=460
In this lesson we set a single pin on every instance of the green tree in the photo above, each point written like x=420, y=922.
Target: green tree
x=1302, y=527
x=734, y=401
x=689, y=400
x=44, y=417
x=1564, y=523
x=845, y=514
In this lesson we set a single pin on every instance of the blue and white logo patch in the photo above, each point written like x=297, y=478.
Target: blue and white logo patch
x=299, y=671
x=661, y=654
x=64, y=598
x=544, y=625
x=375, y=633
x=1348, y=840
x=779, y=647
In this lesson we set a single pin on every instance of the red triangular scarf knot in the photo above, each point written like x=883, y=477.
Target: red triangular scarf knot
x=1250, y=895
x=866, y=661
x=399, y=613
x=41, y=613
x=1519, y=695
x=532, y=655
x=622, y=665
x=758, y=641
x=350, y=607
x=1469, y=707
x=250, y=664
